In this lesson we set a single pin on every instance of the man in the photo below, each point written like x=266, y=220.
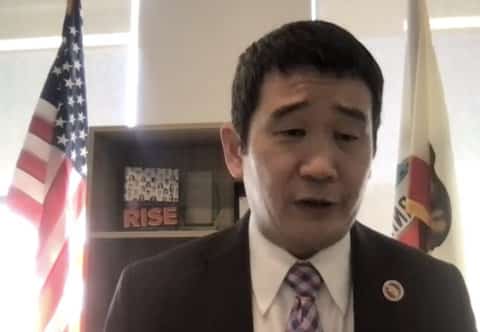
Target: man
x=306, y=104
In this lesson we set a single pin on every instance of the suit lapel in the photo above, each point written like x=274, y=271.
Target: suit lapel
x=228, y=283
x=371, y=268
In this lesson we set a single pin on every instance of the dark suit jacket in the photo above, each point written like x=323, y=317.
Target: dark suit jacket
x=205, y=285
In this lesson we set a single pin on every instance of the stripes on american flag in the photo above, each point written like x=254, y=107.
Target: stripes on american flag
x=49, y=185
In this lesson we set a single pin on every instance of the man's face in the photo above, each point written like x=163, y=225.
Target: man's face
x=307, y=159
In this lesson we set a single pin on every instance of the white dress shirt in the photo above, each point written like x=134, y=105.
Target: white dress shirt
x=272, y=299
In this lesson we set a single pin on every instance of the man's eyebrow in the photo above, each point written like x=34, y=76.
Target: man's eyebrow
x=284, y=110
x=352, y=113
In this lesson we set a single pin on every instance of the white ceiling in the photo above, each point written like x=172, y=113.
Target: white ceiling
x=367, y=18
x=377, y=18
x=60, y=4
x=35, y=18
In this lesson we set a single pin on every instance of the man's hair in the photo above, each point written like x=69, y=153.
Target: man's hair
x=321, y=45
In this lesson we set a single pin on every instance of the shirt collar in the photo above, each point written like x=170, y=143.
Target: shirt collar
x=333, y=264
x=269, y=265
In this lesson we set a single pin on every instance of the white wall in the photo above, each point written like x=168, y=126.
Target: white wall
x=189, y=49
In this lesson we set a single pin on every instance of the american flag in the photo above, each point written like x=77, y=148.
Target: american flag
x=49, y=186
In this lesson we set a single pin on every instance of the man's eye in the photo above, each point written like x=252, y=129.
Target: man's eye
x=345, y=137
x=294, y=132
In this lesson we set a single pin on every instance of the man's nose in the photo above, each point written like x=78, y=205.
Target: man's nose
x=319, y=164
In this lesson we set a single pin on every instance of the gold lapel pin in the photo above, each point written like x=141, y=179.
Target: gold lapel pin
x=393, y=290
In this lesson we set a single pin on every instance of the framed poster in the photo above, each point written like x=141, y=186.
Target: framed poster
x=151, y=198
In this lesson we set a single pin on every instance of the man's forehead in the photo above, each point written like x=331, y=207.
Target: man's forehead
x=298, y=89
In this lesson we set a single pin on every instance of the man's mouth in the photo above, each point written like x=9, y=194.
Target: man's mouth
x=315, y=203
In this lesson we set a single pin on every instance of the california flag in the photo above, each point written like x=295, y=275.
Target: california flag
x=425, y=211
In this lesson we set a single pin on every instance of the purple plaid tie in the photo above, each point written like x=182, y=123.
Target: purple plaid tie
x=304, y=279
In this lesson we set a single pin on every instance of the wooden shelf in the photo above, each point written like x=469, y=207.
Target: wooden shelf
x=206, y=202
x=194, y=149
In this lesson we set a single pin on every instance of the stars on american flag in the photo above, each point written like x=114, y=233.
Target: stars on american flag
x=82, y=134
x=70, y=101
x=77, y=65
x=73, y=30
x=62, y=140
x=79, y=82
x=65, y=89
x=75, y=47
x=69, y=83
x=66, y=66
x=81, y=117
x=59, y=122
x=57, y=70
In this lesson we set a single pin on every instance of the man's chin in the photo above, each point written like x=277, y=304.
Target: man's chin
x=316, y=212
x=311, y=240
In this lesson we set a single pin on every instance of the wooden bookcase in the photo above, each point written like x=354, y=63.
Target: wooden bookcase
x=205, y=186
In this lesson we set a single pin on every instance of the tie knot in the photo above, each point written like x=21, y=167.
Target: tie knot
x=304, y=279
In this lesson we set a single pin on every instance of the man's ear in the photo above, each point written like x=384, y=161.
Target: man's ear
x=232, y=150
